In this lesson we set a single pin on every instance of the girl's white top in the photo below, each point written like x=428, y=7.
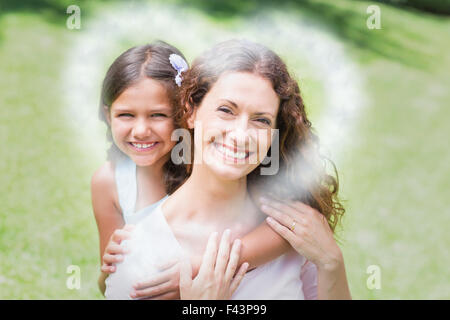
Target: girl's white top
x=126, y=183
x=153, y=244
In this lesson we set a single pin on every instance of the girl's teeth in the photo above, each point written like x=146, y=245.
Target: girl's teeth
x=142, y=146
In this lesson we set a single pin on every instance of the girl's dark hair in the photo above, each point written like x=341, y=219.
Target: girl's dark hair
x=145, y=61
x=302, y=169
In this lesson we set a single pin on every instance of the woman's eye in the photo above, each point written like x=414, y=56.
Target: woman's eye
x=225, y=109
x=265, y=121
x=125, y=115
x=159, y=115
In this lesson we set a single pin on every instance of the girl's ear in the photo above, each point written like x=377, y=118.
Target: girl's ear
x=107, y=114
x=192, y=112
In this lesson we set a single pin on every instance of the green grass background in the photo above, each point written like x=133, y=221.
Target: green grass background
x=394, y=178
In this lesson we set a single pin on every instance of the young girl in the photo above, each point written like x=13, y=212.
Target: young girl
x=139, y=98
x=235, y=87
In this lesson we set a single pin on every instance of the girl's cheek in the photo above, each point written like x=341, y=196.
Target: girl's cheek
x=165, y=130
x=119, y=131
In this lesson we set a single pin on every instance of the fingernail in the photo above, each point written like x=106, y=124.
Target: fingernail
x=133, y=295
x=269, y=219
x=264, y=207
x=264, y=200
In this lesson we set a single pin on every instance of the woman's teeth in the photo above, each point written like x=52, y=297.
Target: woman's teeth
x=231, y=154
x=143, y=146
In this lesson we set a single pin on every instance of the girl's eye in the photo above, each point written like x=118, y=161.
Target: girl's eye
x=225, y=109
x=159, y=115
x=125, y=115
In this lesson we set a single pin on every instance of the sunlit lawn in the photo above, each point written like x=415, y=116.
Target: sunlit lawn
x=394, y=176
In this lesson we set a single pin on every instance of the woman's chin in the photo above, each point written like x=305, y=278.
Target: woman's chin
x=227, y=174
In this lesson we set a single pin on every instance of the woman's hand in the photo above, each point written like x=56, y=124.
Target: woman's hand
x=306, y=230
x=165, y=285
x=216, y=278
x=114, y=251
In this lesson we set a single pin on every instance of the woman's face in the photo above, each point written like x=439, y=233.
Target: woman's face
x=141, y=122
x=235, y=119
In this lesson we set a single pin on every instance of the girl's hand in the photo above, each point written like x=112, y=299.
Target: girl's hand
x=165, y=285
x=216, y=278
x=114, y=251
x=307, y=231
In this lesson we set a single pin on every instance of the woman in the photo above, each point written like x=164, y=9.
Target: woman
x=232, y=94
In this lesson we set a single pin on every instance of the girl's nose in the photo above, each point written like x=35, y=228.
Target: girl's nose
x=141, y=130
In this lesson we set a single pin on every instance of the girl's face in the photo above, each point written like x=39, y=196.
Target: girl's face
x=236, y=117
x=141, y=122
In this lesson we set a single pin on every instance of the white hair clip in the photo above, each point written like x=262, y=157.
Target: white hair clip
x=179, y=64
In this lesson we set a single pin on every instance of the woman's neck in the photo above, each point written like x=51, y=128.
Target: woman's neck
x=205, y=196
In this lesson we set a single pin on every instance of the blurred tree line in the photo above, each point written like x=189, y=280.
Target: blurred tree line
x=433, y=6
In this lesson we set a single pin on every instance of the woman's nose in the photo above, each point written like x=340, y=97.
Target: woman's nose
x=239, y=133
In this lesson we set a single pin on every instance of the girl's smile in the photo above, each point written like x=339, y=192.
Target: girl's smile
x=143, y=146
x=141, y=122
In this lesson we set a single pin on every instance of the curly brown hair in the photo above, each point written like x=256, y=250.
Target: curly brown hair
x=302, y=170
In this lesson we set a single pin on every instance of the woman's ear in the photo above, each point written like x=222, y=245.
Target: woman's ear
x=107, y=114
x=191, y=118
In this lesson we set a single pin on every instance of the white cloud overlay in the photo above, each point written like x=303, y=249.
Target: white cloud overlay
x=191, y=31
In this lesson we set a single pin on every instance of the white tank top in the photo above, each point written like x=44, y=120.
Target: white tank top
x=126, y=183
x=153, y=243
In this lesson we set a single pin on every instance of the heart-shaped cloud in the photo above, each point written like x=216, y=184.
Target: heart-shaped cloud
x=308, y=49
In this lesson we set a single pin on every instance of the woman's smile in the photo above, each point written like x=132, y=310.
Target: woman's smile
x=231, y=153
x=234, y=138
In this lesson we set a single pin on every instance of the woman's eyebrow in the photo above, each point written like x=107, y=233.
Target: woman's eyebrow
x=265, y=113
x=232, y=103
x=237, y=107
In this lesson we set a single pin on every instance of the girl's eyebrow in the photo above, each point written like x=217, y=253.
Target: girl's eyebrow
x=121, y=110
x=151, y=110
x=257, y=113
